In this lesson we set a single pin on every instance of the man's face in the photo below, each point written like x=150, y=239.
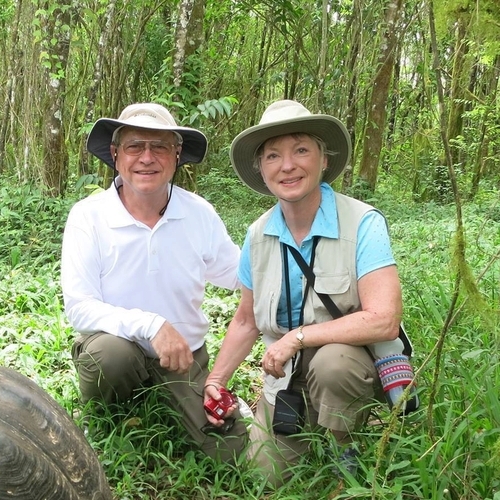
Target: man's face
x=146, y=159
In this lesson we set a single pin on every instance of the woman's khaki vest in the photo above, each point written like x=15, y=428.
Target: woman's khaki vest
x=335, y=271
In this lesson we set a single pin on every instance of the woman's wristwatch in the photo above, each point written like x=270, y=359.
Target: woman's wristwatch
x=300, y=337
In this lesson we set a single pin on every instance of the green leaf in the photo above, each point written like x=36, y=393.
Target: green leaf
x=398, y=465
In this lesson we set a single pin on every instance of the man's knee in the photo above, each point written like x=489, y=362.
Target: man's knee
x=109, y=367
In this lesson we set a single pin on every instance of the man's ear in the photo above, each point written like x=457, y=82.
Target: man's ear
x=114, y=151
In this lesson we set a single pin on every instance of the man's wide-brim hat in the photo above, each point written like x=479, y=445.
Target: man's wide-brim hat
x=149, y=116
x=283, y=118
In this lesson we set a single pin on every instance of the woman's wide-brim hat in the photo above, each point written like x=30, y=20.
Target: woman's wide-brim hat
x=283, y=118
x=149, y=116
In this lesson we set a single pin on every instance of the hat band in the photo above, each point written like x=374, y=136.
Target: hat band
x=116, y=133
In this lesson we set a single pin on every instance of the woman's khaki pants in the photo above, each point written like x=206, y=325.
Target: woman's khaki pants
x=339, y=383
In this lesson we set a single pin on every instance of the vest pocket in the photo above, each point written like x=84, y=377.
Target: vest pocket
x=333, y=283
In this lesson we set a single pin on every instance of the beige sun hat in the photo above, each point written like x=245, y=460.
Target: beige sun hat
x=150, y=116
x=290, y=117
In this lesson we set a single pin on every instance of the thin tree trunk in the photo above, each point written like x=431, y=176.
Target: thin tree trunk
x=352, y=71
x=188, y=35
x=457, y=90
x=394, y=101
x=294, y=74
x=55, y=155
x=374, y=133
x=96, y=82
x=459, y=251
x=10, y=91
x=482, y=155
x=181, y=40
x=188, y=39
x=323, y=50
x=255, y=89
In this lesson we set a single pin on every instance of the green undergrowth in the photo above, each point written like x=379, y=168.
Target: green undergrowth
x=451, y=452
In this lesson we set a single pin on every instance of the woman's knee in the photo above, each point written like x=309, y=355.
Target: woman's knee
x=341, y=368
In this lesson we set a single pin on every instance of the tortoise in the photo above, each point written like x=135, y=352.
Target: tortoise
x=44, y=455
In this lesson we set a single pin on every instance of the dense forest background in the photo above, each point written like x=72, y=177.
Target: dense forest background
x=415, y=81
x=417, y=84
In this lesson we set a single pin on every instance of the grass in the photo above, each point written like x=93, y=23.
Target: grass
x=451, y=452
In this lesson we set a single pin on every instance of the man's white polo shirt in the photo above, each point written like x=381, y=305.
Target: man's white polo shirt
x=122, y=277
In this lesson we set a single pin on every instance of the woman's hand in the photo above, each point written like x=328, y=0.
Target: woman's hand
x=213, y=391
x=278, y=353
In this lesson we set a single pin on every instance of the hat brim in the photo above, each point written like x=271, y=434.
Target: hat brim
x=194, y=145
x=327, y=128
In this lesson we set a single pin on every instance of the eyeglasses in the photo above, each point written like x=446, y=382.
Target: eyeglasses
x=157, y=148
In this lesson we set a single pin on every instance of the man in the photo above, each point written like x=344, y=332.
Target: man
x=135, y=260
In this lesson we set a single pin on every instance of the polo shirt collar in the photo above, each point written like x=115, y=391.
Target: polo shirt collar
x=118, y=216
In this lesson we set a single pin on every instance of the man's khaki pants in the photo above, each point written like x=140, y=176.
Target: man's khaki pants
x=111, y=368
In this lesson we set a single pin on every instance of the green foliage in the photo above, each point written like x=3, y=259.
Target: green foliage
x=482, y=18
x=32, y=225
x=146, y=455
x=240, y=206
x=214, y=107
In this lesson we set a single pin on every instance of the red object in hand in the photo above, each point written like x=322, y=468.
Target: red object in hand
x=218, y=409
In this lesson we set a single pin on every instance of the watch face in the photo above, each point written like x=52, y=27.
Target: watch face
x=300, y=336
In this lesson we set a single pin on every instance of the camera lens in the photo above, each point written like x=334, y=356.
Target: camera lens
x=226, y=399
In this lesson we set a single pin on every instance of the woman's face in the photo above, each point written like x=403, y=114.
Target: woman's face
x=292, y=166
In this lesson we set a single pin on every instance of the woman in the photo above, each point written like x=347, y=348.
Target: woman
x=294, y=155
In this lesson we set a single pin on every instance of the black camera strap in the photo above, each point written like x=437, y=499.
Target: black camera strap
x=335, y=313
x=330, y=305
x=296, y=371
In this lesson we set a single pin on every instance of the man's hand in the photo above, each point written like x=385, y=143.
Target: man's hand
x=172, y=349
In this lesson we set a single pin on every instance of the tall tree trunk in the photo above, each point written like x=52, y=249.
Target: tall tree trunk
x=394, y=102
x=10, y=90
x=26, y=106
x=255, y=89
x=188, y=39
x=483, y=154
x=55, y=155
x=188, y=35
x=323, y=50
x=103, y=47
x=374, y=132
x=352, y=71
x=295, y=70
x=458, y=88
